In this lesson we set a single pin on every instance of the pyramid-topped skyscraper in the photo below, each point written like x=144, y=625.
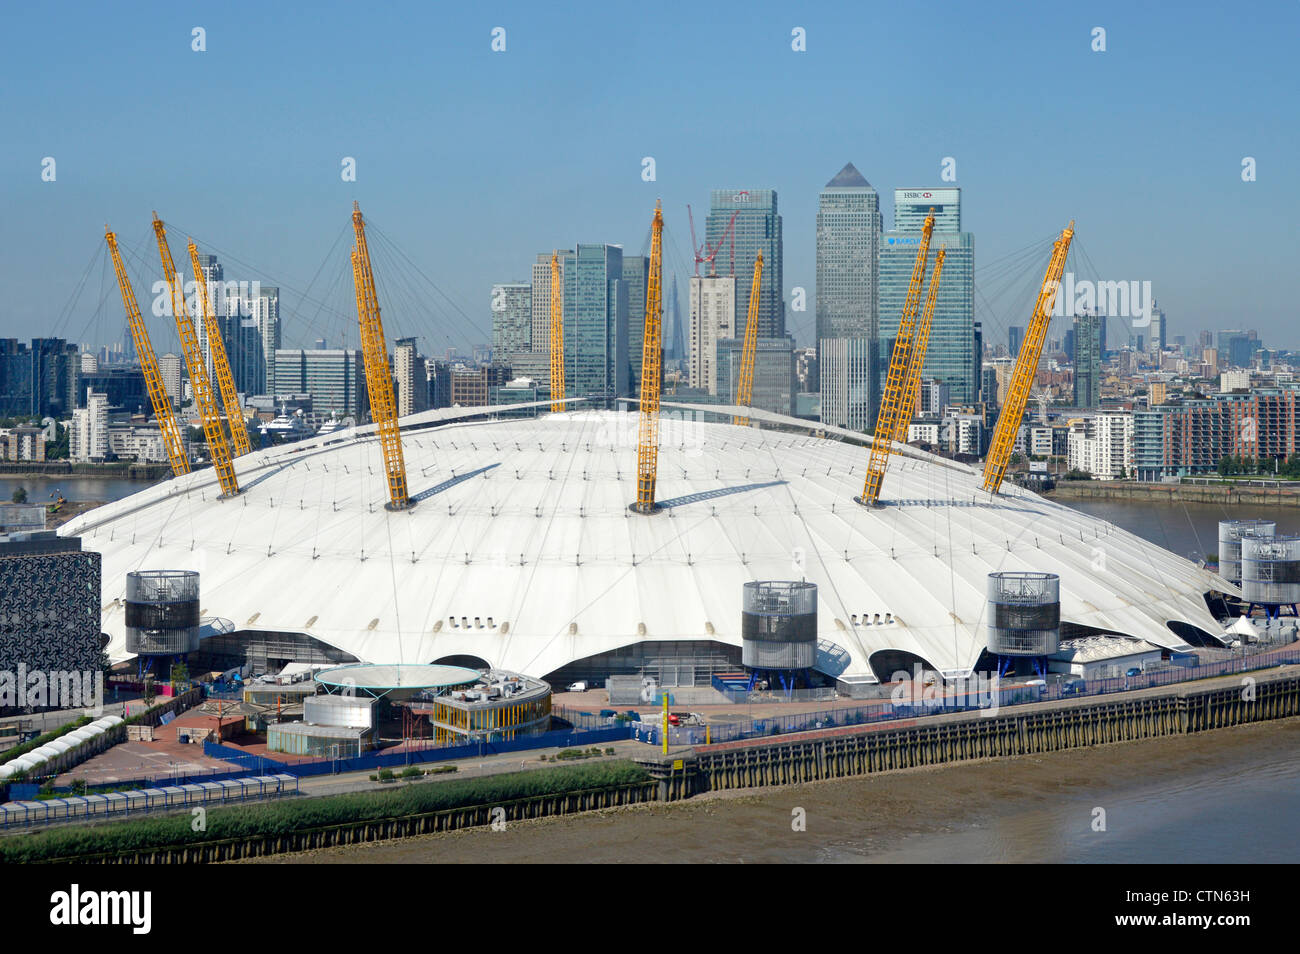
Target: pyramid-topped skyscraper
x=849, y=178
x=848, y=243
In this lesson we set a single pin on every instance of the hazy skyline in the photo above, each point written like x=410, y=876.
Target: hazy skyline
x=473, y=161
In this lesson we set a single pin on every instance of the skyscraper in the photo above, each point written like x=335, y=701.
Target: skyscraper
x=214, y=278
x=41, y=380
x=541, y=302
x=774, y=383
x=757, y=229
x=1158, y=337
x=1015, y=335
x=848, y=246
x=595, y=323
x=911, y=206
x=171, y=368
x=1087, y=360
x=677, y=336
x=850, y=382
x=636, y=273
x=713, y=318
x=512, y=318
x=412, y=378
x=950, y=356
x=264, y=308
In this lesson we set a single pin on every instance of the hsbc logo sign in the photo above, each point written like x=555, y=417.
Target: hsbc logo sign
x=939, y=196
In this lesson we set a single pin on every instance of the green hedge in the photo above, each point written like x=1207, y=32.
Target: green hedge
x=284, y=817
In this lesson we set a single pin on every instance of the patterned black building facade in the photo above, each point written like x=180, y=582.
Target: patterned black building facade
x=49, y=605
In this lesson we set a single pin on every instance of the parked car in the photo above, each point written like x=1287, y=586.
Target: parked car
x=1072, y=688
x=577, y=687
x=1135, y=671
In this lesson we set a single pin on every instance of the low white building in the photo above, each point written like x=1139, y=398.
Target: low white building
x=923, y=432
x=1040, y=440
x=1103, y=657
x=143, y=444
x=1234, y=381
x=961, y=432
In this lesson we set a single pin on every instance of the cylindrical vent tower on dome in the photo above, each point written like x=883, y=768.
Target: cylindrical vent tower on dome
x=162, y=612
x=1024, y=614
x=779, y=625
x=1270, y=570
x=1230, y=534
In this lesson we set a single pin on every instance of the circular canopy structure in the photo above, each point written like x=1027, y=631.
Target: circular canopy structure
x=522, y=552
x=380, y=680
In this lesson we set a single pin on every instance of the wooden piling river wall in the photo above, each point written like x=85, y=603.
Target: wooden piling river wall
x=957, y=737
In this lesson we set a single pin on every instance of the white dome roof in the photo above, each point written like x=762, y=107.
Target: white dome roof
x=523, y=526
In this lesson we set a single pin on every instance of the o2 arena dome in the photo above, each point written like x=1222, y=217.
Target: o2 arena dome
x=521, y=552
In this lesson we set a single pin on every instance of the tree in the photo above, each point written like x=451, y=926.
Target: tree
x=60, y=448
x=19, y=495
x=180, y=677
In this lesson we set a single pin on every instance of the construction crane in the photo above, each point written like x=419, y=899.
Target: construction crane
x=916, y=360
x=557, y=336
x=745, y=389
x=225, y=380
x=218, y=448
x=891, y=401
x=703, y=253
x=1022, y=378
x=647, y=452
x=173, y=443
x=379, y=379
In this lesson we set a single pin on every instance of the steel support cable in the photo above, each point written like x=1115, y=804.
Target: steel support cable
x=397, y=250
x=303, y=295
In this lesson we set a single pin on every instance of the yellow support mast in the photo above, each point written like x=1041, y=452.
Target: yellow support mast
x=218, y=449
x=1022, y=378
x=916, y=360
x=892, y=399
x=379, y=379
x=557, y=336
x=745, y=387
x=225, y=380
x=647, y=454
x=173, y=443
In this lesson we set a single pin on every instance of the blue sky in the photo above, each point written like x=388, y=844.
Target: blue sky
x=473, y=161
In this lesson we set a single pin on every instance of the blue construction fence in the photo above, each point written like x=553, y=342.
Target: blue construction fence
x=374, y=761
